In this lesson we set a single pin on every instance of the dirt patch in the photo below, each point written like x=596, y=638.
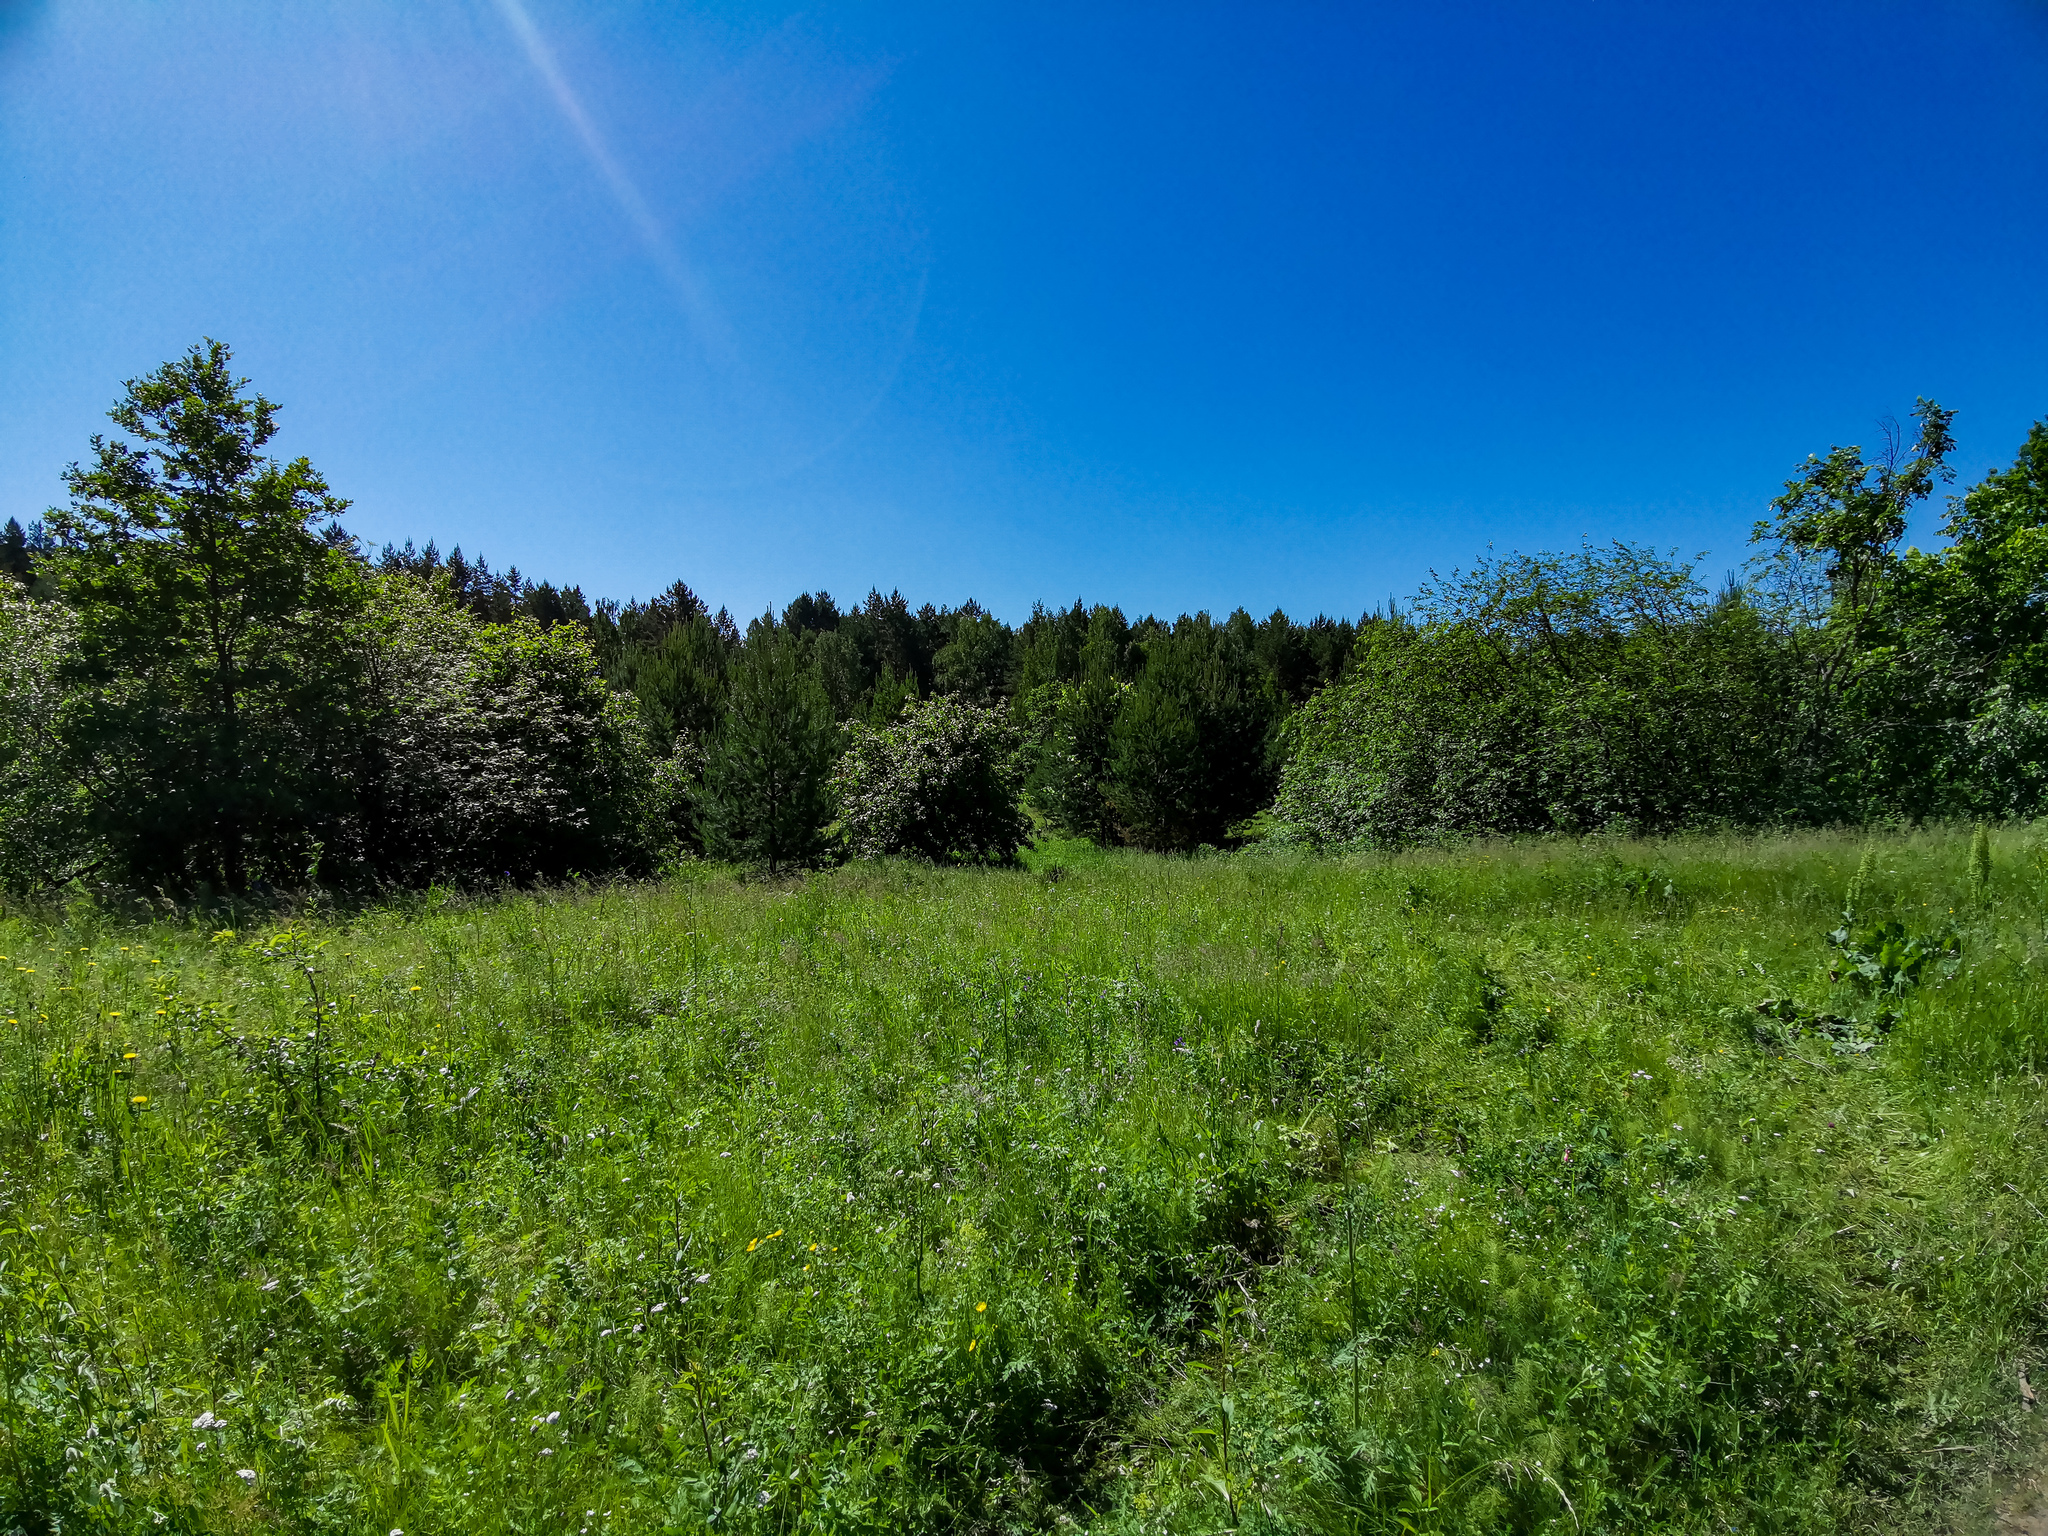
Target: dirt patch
x=2017, y=1504
x=2023, y=1507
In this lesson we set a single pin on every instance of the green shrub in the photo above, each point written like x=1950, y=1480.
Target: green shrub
x=941, y=783
x=1581, y=693
x=489, y=752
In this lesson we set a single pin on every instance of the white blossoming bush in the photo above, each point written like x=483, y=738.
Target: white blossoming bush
x=43, y=810
x=939, y=784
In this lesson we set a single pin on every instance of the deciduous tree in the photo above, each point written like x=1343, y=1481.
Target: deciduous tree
x=214, y=596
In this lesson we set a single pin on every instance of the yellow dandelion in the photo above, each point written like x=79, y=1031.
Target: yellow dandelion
x=412, y=989
x=140, y=1098
x=776, y=1233
x=753, y=1244
x=814, y=1247
x=971, y=1343
x=114, y=1015
x=981, y=1306
x=130, y=1055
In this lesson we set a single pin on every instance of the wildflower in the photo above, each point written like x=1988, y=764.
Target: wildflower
x=140, y=1098
x=128, y=1055
x=971, y=1343
x=981, y=1306
x=412, y=989
x=113, y=1015
x=247, y=1475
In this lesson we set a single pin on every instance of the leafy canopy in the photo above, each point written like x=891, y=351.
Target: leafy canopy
x=214, y=596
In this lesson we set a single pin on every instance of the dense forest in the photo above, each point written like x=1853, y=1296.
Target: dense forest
x=210, y=685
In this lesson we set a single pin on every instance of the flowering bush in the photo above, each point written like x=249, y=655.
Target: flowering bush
x=490, y=751
x=939, y=784
x=42, y=807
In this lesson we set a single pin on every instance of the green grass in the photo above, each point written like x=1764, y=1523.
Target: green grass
x=1460, y=1192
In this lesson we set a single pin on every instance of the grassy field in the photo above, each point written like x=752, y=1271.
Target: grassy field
x=1462, y=1192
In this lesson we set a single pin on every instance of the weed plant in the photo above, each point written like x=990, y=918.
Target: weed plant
x=1453, y=1192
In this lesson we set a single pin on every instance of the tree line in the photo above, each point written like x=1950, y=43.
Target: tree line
x=209, y=684
x=1839, y=678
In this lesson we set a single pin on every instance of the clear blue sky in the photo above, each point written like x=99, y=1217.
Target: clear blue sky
x=1179, y=306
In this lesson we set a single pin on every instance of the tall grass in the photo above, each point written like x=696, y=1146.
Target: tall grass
x=1442, y=1193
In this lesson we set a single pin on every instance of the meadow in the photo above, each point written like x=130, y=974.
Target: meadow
x=1563, y=1187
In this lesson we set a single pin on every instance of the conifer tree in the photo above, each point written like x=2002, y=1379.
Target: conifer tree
x=765, y=798
x=14, y=560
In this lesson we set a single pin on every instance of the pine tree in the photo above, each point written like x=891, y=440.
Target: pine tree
x=1190, y=752
x=14, y=558
x=765, y=797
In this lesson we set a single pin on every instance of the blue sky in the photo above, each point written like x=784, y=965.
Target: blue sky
x=1178, y=307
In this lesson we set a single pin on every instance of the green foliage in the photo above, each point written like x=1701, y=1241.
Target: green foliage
x=228, y=693
x=1577, y=692
x=941, y=783
x=1980, y=860
x=679, y=681
x=1190, y=750
x=1882, y=956
x=673, y=793
x=1956, y=680
x=490, y=752
x=15, y=560
x=976, y=663
x=765, y=797
x=1070, y=780
x=890, y=696
x=1843, y=681
x=209, y=662
x=1158, y=1197
x=1849, y=515
x=45, y=819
